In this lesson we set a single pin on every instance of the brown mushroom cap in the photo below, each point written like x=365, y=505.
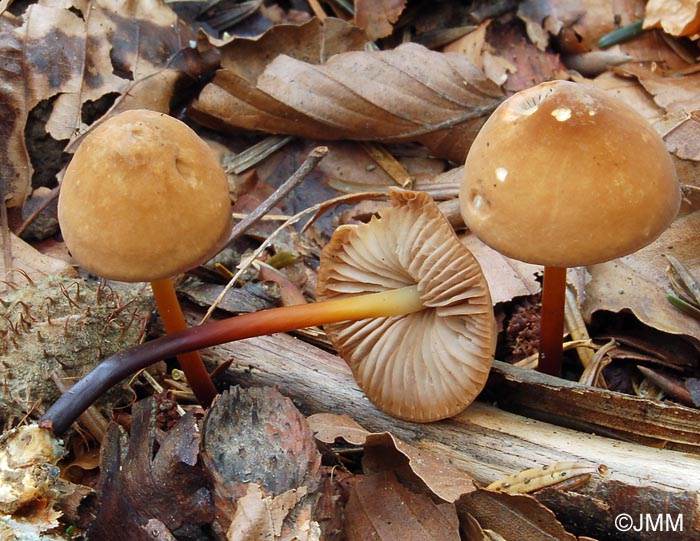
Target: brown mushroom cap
x=426, y=365
x=143, y=198
x=565, y=175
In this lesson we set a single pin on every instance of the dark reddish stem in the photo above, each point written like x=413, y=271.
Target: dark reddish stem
x=552, y=322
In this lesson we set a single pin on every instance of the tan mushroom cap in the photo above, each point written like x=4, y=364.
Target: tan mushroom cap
x=565, y=175
x=143, y=198
x=430, y=364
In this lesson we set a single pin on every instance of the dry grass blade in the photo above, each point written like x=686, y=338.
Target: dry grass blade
x=257, y=153
x=577, y=327
x=389, y=164
x=531, y=361
x=684, y=283
x=593, y=373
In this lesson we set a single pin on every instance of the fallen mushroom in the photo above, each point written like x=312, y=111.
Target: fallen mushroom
x=564, y=175
x=145, y=199
x=424, y=333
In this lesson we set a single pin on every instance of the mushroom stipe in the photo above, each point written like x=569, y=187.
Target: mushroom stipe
x=407, y=307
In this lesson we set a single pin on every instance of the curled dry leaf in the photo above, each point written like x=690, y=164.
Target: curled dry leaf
x=639, y=283
x=233, y=101
x=406, y=94
x=676, y=18
x=385, y=451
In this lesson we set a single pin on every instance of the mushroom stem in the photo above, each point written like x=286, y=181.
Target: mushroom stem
x=73, y=403
x=174, y=321
x=552, y=320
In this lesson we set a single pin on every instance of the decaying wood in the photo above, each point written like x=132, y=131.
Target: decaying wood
x=604, y=412
x=484, y=441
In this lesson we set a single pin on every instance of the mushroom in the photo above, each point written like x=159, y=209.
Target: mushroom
x=424, y=334
x=427, y=365
x=564, y=175
x=145, y=199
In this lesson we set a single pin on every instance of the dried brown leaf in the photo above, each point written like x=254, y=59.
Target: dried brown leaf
x=377, y=17
x=15, y=168
x=384, y=451
x=261, y=517
x=507, y=278
x=406, y=94
x=675, y=93
x=638, y=282
x=681, y=133
x=381, y=508
x=518, y=517
x=547, y=17
x=138, y=51
x=232, y=99
x=676, y=18
x=34, y=264
x=510, y=51
x=678, y=97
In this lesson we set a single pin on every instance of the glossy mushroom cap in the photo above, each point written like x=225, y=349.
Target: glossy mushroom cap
x=426, y=365
x=565, y=175
x=143, y=198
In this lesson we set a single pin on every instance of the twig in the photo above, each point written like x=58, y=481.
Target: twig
x=44, y=204
x=314, y=157
x=6, y=241
x=158, y=388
